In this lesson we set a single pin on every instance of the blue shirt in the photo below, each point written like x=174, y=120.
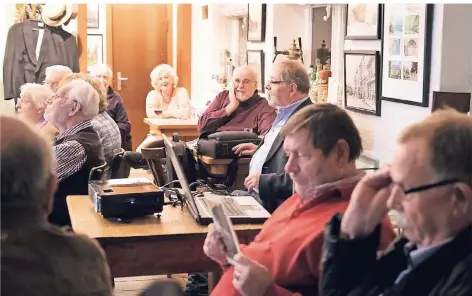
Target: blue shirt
x=283, y=113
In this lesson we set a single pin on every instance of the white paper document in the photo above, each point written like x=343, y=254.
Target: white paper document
x=225, y=228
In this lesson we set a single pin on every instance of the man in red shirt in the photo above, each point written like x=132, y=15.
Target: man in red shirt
x=239, y=108
x=322, y=144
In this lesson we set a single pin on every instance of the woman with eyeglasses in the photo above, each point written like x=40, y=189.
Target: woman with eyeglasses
x=32, y=104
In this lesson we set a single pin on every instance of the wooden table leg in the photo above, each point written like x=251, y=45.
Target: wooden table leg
x=213, y=279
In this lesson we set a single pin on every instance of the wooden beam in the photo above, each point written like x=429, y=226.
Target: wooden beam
x=109, y=33
x=170, y=29
x=82, y=36
x=184, y=45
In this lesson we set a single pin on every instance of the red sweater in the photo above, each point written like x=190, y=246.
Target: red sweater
x=290, y=244
x=254, y=113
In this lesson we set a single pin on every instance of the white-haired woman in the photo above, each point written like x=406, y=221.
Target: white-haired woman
x=33, y=103
x=115, y=108
x=167, y=100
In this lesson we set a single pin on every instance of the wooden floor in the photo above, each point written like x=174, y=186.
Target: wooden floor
x=132, y=286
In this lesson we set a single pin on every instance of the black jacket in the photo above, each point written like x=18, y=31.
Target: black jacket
x=350, y=267
x=275, y=186
x=20, y=64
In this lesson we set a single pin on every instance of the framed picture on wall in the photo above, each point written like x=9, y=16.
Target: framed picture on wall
x=406, y=53
x=363, y=21
x=255, y=58
x=256, y=22
x=94, y=49
x=93, y=16
x=361, y=83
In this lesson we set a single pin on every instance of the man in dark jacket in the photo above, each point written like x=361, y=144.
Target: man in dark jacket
x=429, y=186
x=287, y=91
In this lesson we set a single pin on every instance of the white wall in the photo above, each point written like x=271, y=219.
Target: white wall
x=451, y=70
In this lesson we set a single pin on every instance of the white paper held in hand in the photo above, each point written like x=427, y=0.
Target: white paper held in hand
x=225, y=228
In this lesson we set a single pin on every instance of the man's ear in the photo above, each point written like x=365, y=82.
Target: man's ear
x=462, y=200
x=341, y=150
x=50, y=192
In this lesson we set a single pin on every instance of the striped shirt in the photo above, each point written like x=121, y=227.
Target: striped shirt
x=70, y=155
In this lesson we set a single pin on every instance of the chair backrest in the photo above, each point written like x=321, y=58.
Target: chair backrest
x=154, y=158
x=115, y=165
x=98, y=172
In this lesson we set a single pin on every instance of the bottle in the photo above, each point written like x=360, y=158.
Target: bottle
x=323, y=77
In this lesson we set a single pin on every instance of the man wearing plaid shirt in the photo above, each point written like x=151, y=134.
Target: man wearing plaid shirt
x=77, y=148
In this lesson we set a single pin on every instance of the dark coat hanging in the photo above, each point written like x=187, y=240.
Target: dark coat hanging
x=20, y=64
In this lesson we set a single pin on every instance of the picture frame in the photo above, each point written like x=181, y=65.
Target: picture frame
x=93, y=19
x=256, y=22
x=363, y=21
x=361, y=81
x=94, y=49
x=255, y=58
x=406, y=53
x=457, y=101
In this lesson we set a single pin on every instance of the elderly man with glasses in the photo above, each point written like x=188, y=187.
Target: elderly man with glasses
x=429, y=186
x=77, y=148
x=287, y=91
x=239, y=108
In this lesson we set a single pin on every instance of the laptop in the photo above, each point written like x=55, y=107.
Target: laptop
x=240, y=209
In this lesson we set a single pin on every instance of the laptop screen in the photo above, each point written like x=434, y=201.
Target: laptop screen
x=181, y=176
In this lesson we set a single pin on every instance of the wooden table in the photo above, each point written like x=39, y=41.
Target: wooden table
x=187, y=129
x=170, y=244
x=220, y=167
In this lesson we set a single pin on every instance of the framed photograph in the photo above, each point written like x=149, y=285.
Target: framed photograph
x=361, y=87
x=94, y=49
x=406, y=53
x=256, y=22
x=93, y=16
x=255, y=58
x=363, y=21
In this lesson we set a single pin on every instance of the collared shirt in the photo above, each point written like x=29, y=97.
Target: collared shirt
x=416, y=256
x=70, y=155
x=290, y=243
x=283, y=114
x=108, y=132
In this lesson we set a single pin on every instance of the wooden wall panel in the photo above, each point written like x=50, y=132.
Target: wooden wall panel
x=184, y=45
x=82, y=36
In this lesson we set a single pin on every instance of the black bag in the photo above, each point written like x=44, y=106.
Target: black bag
x=219, y=145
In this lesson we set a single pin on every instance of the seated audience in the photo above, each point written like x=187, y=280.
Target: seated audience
x=287, y=91
x=77, y=148
x=115, y=107
x=167, y=100
x=38, y=258
x=31, y=106
x=322, y=144
x=239, y=108
x=429, y=185
x=54, y=75
x=104, y=125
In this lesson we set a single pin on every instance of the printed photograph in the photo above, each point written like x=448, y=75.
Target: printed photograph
x=410, y=71
x=394, y=45
x=361, y=90
x=395, y=24
x=411, y=47
x=412, y=24
x=94, y=49
x=395, y=69
x=362, y=21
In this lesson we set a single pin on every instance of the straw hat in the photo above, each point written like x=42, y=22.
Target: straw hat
x=56, y=15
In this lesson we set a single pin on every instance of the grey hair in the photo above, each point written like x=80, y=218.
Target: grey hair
x=60, y=70
x=83, y=93
x=26, y=164
x=39, y=94
x=157, y=71
x=252, y=71
x=98, y=69
x=294, y=71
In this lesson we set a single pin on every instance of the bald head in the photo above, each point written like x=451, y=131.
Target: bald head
x=27, y=167
x=245, y=80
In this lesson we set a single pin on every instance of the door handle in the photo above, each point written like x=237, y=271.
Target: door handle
x=119, y=79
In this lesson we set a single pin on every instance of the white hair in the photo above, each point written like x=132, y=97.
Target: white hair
x=27, y=163
x=59, y=70
x=39, y=94
x=100, y=69
x=83, y=93
x=157, y=71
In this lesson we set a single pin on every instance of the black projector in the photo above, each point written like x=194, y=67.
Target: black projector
x=126, y=198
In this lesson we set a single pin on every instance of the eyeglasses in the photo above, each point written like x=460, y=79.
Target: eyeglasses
x=429, y=186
